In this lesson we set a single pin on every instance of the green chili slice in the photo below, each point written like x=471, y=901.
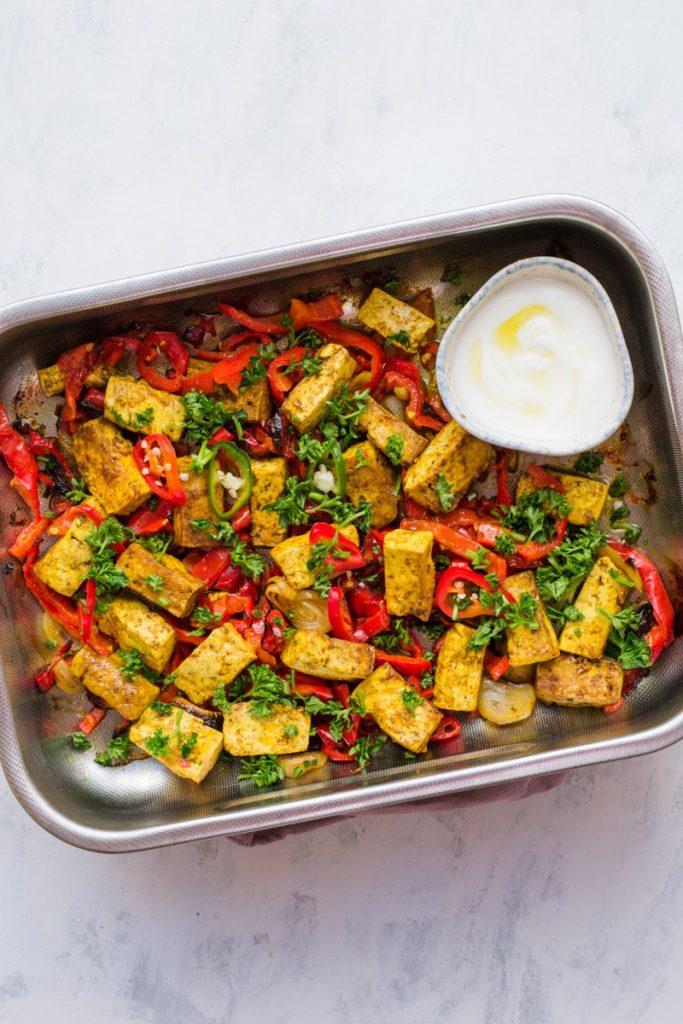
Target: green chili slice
x=240, y=460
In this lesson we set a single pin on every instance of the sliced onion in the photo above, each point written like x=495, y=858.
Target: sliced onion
x=296, y=765
x=66, y=680
x=50, y=630
x=305, y=609
x=504, y=703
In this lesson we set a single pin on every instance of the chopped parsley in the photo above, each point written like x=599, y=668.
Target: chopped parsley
x=256, y=368
x=204, y=416
x=340, y=421
x=535, y=513
x=115, y=753
x=250, y=562
x=619, y=486
x=79, y=741
x=157, y=543
x=569, y=564
x=480, y=559
x=267, y=688
x=394, y=448
x=102, y=569
x=161, y=707
x=154, y=581
x=401, y=338
x=396, y=638
x=144, y=418
x=445, y=493
x=569, y=613
x=203, y=617
x=158, y=744
x=265, y=770
x=632, y=533
x=365, y=747
x=451, y=274
x=318, y=563
x=504, y=544
x=391, y=286
x=132, y=665
x=624, y=642
x=618, y=516
x=78, y=492
x=411, y=699
x=290, y=730
x=589, y=462
x=361, y=461
x=220, y=699
x=504, y=615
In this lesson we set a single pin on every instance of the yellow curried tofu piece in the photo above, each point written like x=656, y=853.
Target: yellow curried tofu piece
x=218, y=659
x=306, y=403
x=284, y=731
x=104, y=677
x=387, y=315
x=325, y=656
x=586, y=497
x=380, y=425
x=64, y=566
x=182, y=742
x=293, y=554
x=165, y=581
x=135, y=627
x=198, y=507
x=578, y=682
x=454, y=456
x=600, y=593
x=255, y=402
x=136, y=405
x=528, y=646
x=51, y=378
x=382, y=694
x=409, y=573
x=269, y=483
x=369, y=475
x=459, y=670
x=105, y=461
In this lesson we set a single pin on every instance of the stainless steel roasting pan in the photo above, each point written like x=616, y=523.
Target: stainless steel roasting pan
x=142, y=805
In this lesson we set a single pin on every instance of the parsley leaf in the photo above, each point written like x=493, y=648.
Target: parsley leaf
x=632, y=533
x=267, y=688
x=256, y=368
x=589, y=462
x=401, y=338
x=250, y=562
x=265, y=770
x=157, y=543
x=78, y=492
x=534, y=514
x=203, y=417
x=624, y=642
x=154, y=581
x=79, y=741
x=394, y=448
x=158, y=744
x=220, y=699
x=569, y=564
x=365, y=747
x=132, y=665
x=445, y=493
x=161, y=707
x=619, y=486
x=102, y=569
x=115, y=753
x=340, y=421
x=504, y=544
x=480, y=559
x=411, y=699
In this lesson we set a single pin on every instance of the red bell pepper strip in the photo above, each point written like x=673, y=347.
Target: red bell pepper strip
x=40, y=445
x=459, y=572
x=401, y=373
x=372, y=624
x=88, y=611
x=433, y=400
x=113, y=347
x=93, y=398
x=170, y=345
x=503, y=496
x=542, y=478
x=75, y=364
x=330, y=747
x=662, y=633
x=362, y=343
x=60, y=525
x=449, y=729
x=203, y=382
x=210, y=566
x=221, y=435
x=91, y=720
x=453, y=541
x=242, y=519
x=156, y=460
x=339, y=615
x=309, y=686
x=403, y=663
x=343, y=554
x=534, y=551
x=274, y=636
x=229, y=370
x=258, y=324
x=45, y=677
x=307, y=314
x=151, y=520
x=365, y=602
x=215, y=355
x=27, y=537
x=229, y=579
x=496, y=664
x=20, y=460
x=281, y=382
x=611, y=709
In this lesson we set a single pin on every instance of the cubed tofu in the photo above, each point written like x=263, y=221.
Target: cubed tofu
x=411, y=726
x=165, y=735
x=135, y=405
x=198, y=506
x=135, y=627
x=522, y=674
x=293, y=554
x=178, y=591
x=409, y=573
x=326, y=657
x=586, y=497
x=218, y=659
x=459, y=670
x=527, y=646
x=424, y=302
x=255, y=402
x=579, y=682
x=105, y=461
x=387, y=315
x=65, y=565
x=380, y=424
x=453, y=456
x=601, y=593
x=285, y=730
x=370, y=476
x=51, y=378
x=306, y=403
x=269, y=484
x=103, y=677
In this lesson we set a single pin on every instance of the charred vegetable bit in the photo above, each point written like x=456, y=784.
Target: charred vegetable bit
x=296, y=592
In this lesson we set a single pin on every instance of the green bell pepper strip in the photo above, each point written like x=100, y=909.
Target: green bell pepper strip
x=331, y=457
x=242, y=464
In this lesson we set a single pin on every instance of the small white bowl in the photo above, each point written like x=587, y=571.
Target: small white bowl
x=540, y=266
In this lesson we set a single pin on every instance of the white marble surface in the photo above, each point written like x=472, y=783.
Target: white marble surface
x=140, y=135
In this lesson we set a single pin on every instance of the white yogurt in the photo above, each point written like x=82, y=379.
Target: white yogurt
x=535, y=365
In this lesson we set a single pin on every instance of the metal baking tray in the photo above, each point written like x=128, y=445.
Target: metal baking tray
x=142, y=805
